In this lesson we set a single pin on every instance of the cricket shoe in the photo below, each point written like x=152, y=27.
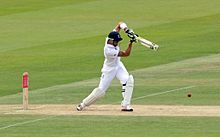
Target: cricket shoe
x=80, y=107
x=127, y=108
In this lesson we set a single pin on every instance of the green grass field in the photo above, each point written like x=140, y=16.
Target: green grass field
x=60, y=44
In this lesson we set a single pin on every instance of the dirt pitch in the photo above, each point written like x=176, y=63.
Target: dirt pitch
x=113, y=110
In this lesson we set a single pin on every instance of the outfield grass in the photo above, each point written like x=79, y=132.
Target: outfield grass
x=202, y=73
x=93, y=126
x=60, y=44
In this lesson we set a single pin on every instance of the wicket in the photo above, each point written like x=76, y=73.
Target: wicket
x=25, y=84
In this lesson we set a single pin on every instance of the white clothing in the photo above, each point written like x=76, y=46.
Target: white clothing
x=111, y=57
x=112, y=67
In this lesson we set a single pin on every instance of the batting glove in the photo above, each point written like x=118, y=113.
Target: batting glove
x=133, y=40
x=130, y=33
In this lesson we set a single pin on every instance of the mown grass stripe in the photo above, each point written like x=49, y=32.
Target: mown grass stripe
x=25, y=122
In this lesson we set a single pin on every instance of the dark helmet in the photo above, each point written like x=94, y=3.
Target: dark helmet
x=114, y=36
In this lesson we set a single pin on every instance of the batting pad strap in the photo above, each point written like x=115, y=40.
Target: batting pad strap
x=94, y=95
x=128, y=91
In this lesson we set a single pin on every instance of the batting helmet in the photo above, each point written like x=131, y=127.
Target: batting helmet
x=114, y=36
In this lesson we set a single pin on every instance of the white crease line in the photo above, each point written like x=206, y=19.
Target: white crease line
x=26, y=122
x=164, y=92
x=159, y=93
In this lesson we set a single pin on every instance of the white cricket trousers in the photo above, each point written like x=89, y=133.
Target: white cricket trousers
x=119, y=72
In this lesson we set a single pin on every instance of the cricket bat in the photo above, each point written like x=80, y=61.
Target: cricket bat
x=147, y=43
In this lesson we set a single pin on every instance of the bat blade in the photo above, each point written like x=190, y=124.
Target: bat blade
x=147, y=43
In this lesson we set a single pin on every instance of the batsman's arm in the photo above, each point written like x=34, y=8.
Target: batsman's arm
x=126, y=52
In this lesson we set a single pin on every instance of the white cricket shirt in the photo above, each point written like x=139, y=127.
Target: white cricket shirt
x=112, y=59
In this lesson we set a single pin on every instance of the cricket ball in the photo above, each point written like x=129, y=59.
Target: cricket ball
x=189, y=95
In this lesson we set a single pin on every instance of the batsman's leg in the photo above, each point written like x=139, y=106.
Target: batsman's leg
x=98, y=92
x=122, y=75
x=128, y=94
x=94, y=95
x=127, y=82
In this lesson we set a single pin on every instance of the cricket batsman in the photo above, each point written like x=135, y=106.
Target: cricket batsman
x=113, y=67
